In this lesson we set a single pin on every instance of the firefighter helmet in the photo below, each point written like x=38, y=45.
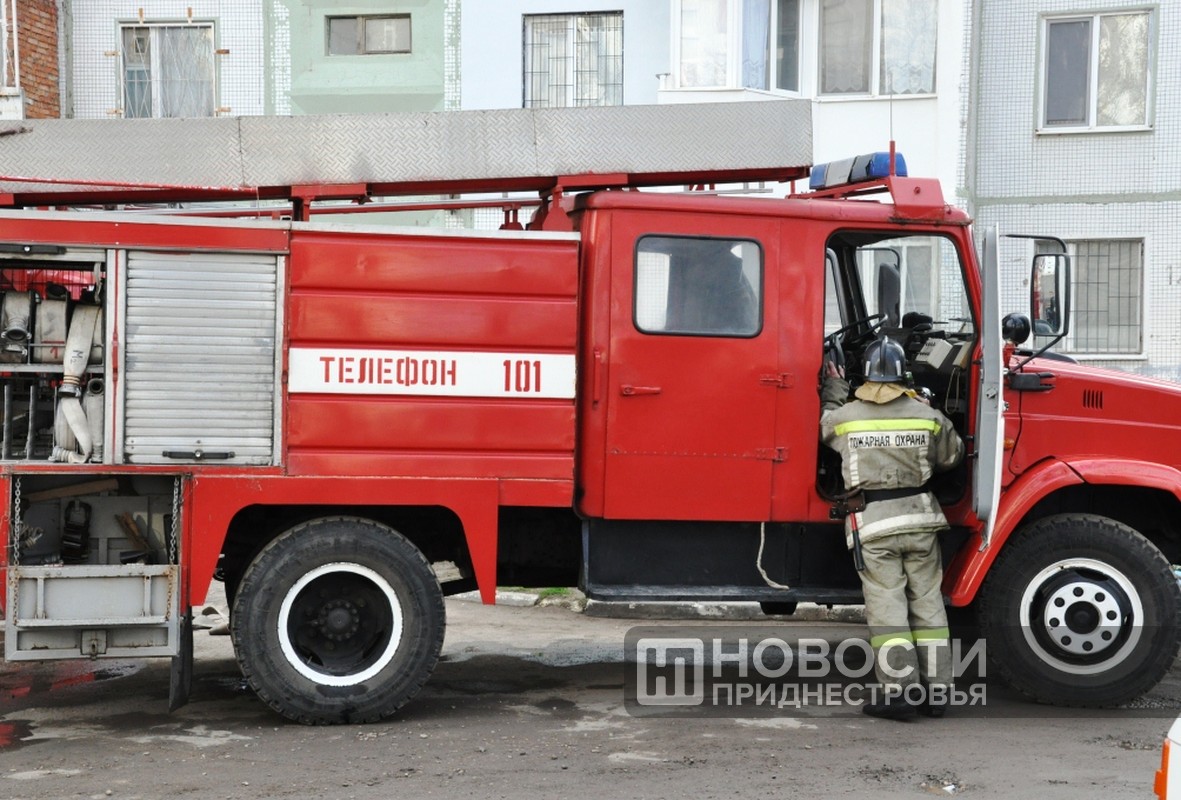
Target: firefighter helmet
x=885, y=361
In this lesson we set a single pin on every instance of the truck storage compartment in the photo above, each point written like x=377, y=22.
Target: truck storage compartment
x=199, y=358
x=53, y=337
x=93, y=567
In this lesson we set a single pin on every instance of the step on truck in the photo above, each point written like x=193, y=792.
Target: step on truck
x=347, y=423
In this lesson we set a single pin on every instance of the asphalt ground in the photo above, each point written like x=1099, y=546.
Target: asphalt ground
x=530, y=701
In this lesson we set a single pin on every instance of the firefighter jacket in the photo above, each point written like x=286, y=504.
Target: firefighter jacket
x=894, y=445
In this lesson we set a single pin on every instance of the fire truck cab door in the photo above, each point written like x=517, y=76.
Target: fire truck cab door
x=690, y=396
x=986, y=483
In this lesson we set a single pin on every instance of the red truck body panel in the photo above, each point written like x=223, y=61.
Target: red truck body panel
x=386, y=295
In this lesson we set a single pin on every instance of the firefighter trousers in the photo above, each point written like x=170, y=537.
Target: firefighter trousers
x=904, y=610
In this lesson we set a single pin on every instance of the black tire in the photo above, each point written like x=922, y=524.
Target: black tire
x=338, y=620
x=1080, y=610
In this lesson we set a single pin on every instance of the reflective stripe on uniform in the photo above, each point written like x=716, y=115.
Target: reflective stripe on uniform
x=890, y=639
x=873, y=425
x=932, y=635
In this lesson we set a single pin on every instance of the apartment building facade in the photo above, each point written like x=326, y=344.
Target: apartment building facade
x=1048, y=116
x=1074, y=128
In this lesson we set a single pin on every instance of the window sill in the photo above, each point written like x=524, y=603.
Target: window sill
x=861, y=98
x=1103, y=130
x=768, y=93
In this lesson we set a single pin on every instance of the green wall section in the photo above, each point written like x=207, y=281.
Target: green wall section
x=324, y=84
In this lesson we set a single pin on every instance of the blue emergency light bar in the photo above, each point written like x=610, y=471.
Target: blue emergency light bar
x=860, y=169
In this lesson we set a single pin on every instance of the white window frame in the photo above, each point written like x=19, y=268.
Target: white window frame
x=734, y=42
x=361, y=21
x=875, y=63
x=809, y=68
x=1092, y=125
x=155, y=71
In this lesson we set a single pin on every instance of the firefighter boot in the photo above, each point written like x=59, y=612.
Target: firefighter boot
x=896, y=708
x=933, y=709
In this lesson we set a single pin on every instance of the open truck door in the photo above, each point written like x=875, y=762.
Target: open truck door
x=990, y=404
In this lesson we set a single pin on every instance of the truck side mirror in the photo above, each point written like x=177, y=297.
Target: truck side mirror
x=1049, y=297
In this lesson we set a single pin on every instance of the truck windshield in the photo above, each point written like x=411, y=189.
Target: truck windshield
x=900, y=283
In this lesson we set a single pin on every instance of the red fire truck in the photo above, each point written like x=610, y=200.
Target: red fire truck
x=346, y=424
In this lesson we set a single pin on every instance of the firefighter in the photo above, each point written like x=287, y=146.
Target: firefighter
x=891, y=442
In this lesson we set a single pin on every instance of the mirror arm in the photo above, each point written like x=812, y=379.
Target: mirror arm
x=1039, y=352
x=1040, y=238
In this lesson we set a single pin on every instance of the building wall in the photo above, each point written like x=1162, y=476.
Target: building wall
x=927, y=129
x=37, y=30
x=1109, y=185
x=317, y=83
x=94, y=51
x=493, y=42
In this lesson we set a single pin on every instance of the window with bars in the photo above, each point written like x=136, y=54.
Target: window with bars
x=573, y=60
x=1097, y=71
x=168, y=70
x=368, y=35
x=1107, y=306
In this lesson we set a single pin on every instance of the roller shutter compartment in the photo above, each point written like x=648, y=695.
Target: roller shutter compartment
x=199, y=358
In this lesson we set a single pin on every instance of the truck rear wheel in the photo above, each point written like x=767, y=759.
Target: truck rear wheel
x=338, y=620
x=1080, y=610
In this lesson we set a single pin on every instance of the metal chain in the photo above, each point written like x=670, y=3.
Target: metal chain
x=16, y=522
x=173, y=560
x=173, y=538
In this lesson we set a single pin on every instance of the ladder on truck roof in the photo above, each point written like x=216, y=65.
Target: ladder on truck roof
x=357, y=158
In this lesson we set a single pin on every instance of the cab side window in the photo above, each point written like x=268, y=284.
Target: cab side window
x=698, y=286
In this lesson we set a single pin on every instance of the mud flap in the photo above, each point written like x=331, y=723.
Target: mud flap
x=181, y=682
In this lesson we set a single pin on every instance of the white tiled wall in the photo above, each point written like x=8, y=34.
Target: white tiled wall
x=1077, y=186
x=238, y=28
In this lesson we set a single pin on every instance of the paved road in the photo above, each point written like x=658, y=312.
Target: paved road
x=529, y=702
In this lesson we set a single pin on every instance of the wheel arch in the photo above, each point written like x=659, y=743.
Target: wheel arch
x=1142, y=495
x=437, y=531
x=1080, y=610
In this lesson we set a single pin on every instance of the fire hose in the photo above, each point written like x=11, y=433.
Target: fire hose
x=71, y=418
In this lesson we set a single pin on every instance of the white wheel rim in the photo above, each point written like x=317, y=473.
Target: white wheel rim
x=1081, y=591
x=323, y=678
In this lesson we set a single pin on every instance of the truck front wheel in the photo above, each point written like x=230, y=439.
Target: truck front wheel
x=1080, y=610
x=338, y=620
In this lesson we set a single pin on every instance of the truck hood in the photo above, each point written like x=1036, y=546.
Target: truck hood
x=1096, y=413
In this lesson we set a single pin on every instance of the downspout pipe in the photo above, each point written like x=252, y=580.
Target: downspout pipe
x=16, y=49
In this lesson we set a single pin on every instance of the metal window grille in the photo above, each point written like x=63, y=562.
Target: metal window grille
x=168, y=71
x=1108, y=303
x=573, y=60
